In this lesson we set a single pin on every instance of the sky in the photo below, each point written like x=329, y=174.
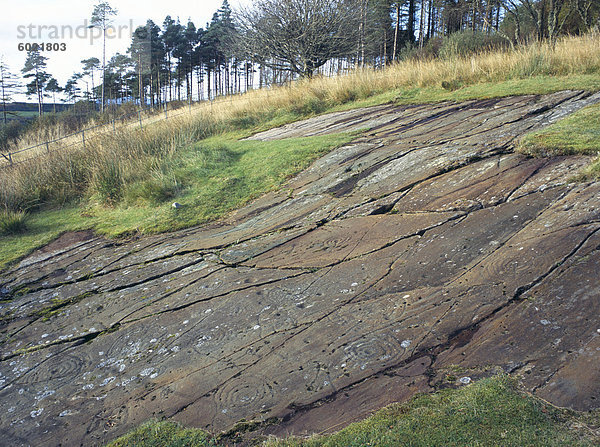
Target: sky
x=64, y=22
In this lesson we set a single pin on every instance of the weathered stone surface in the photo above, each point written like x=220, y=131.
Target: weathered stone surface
x=423, y=246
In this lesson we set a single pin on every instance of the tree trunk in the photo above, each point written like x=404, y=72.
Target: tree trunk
x=384, y=47
x=37, y=87
x=410, y=26
x=3, y=104
x=208, y=82
x=542, y=24
x=553, y=26
x=140, y=81
x=429, y=19
x=151, y=89
x=422, y=24
x=396, y=31
x=103, y=67
x=169, y=79
x=93, y=92
x=3, y=97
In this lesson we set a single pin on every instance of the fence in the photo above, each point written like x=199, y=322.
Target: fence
x=82, y=136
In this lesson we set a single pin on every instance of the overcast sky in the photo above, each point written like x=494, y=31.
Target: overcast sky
x=29, y=21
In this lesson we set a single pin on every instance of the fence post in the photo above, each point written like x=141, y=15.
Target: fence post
x=47, y=147
x=114, y=130
x=10, y=158
x=140, y=117
x=166, y=115
x=83, y=137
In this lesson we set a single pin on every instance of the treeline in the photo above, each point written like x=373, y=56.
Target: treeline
x=275, y=41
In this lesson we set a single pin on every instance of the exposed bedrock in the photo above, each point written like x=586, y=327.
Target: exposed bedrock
x=423, y=252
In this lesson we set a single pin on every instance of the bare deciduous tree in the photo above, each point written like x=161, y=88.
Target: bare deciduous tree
x=298, y=35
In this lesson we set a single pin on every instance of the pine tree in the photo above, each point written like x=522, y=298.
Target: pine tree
x=198, y=58
x=34, y=69
x=71, y=89
x=101, y=18
x=89, y=66
x=184, y=52
x=210, y=53
x=117, y=71
x=172, y=37
x=148, y=55
x=8, y=87
x=53, y=87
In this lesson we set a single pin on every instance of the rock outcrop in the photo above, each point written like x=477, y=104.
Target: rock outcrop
x=423, y=253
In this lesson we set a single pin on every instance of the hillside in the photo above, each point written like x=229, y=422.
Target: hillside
x=423, y=253
x=123, y=181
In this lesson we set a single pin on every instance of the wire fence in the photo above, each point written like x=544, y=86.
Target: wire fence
x=142, y=118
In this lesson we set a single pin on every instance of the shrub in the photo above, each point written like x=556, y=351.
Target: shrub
x=430, y=50
x=465, y=43
x=127, y=109
x=537, y=64
x=11, y=132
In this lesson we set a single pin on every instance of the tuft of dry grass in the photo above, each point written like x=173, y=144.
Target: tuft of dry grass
x=12, y=222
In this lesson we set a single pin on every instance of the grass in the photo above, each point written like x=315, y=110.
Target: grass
x=577, y=134
x=122, y=179
x=12, y=222
x=26, y=113
x=163, y=434
x=490, y=412
x=209, y=178
x=42, y=228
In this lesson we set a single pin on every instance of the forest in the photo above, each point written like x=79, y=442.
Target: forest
x=276, y=41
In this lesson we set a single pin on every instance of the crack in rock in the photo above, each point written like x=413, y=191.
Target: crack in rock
x=425, y=245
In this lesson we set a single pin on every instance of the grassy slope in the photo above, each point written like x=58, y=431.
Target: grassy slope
x=151, y=212
x=146, y=208
x=491, y=412
x=209, y=178
x=125, y=184
x=535, y=85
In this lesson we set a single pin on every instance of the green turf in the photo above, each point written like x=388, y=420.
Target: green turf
x=535, y=85
x=217, y=175
x=164, y=434
x=42, y=228
x=577, y=134
x=210, y=179
x=490, y=412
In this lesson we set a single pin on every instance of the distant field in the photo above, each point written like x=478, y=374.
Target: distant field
x=25, y=110
x=28, y=114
